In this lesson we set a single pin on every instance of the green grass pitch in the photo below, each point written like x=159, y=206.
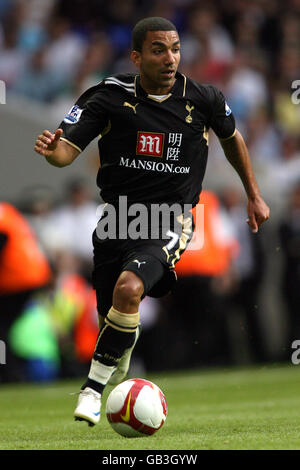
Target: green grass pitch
x=236, y=409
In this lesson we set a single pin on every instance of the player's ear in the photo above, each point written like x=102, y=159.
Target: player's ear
x=135, y=56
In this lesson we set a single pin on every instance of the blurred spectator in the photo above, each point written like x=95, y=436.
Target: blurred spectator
x=264, y=139
x=86, y=328
x=121, y=17
x=205, y=39
x=245, y=88
x=290, y=30
x=289, y=66
x=76, y=219
x=287, y=114
x=289, y=231
x=24, y=270
x=285, y=173
x=37, y=204
x=269, y=32
x=5, y=7
x=37, y=81
x=34, y=15
x=83, y=19
x=96, y=64
x=172, y=10
x=198, y=306
x=12, y=59
x=249, y=268
x=33, y=340
x=64, y=226
x=72, y=309
x=65, y=49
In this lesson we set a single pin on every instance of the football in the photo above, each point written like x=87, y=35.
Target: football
x=136, y=408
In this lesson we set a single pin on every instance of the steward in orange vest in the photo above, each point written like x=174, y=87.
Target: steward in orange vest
x=24, y=270
x=23, y=266
x=212, y=247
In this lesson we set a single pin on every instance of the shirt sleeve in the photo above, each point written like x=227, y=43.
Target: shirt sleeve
x=222, y=120
x=86, y=119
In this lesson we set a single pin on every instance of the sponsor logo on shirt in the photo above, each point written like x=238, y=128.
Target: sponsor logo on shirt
x=149, y=165
x=150, y=144
x=73, y=115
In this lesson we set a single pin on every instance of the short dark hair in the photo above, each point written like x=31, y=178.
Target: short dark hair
x=155, y=23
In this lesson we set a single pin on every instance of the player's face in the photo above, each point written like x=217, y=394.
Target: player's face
x=158, y=61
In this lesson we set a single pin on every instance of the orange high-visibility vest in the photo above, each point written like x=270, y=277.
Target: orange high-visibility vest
x=23, y=266
x=86, y=328
x=213, y=248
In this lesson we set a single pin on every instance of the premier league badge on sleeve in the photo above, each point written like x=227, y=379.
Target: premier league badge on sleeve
x=73, y=115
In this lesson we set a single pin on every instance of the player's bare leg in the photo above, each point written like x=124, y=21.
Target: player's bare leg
x=127, y=293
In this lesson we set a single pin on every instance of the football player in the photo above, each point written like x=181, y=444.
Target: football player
x=153, y=146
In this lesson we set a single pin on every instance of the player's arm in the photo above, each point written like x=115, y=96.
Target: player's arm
x=83, y=123
x=237, y=154
x=57, y=152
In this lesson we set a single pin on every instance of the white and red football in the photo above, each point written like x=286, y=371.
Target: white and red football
x=136, y=408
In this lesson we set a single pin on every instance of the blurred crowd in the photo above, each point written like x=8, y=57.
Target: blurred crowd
x=50, y=52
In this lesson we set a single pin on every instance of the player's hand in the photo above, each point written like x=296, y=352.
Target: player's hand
x=46, y=143
x=258, y=213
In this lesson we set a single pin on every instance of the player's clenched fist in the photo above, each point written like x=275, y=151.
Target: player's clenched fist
x=47, y=142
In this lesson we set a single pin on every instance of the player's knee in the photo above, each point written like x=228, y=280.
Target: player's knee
x=129, y=289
